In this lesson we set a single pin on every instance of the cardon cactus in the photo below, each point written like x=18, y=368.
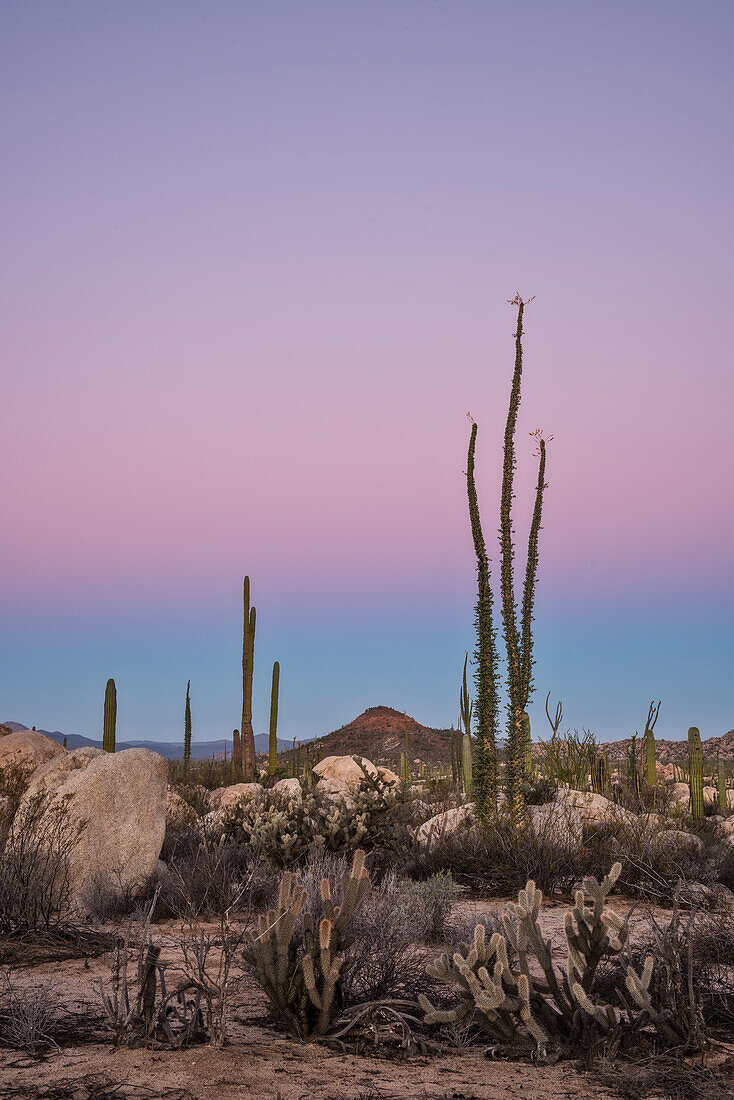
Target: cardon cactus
x=110, y=716
x=695, y=771
x=187, y=727
x=721, y=780
x=273, y=742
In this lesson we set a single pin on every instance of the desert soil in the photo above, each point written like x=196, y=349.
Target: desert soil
x=261, y=1064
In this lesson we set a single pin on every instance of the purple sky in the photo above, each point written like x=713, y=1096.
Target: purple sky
x=256, y=264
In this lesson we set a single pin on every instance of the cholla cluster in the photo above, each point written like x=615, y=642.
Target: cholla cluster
x=299, y=960
x=553, y=1007
x=283, y=829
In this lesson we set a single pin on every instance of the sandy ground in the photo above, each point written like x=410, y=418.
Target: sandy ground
x=261, y=1064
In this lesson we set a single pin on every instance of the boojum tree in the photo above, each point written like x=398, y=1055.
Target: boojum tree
x=518, y=639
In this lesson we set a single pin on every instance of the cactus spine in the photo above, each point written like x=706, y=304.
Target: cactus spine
x=246, y=761
x=110, y=716
x=187, y=728
x=695, y=768
x=273, y=743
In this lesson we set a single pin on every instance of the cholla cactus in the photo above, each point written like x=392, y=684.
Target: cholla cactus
x=558, y=1007
x=282, y=829
x=299, y=970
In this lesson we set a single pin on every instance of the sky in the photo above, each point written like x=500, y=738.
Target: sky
x=257, y=259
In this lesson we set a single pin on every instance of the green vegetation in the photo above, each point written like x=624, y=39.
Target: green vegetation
x=695, y=771
x=245, y=758
x=187, y=728
x=110, y=716
x=273, y=743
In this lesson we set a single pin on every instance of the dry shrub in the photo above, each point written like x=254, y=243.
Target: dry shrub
x=654, y=859
x=29, y=1015
x=498, y=857
x=664, y=1077
x=34, y=877
x=385, y=958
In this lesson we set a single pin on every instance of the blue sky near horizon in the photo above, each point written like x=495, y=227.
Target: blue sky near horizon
x=256, y=266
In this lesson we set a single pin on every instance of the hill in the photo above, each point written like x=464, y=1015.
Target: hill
x=379, y=734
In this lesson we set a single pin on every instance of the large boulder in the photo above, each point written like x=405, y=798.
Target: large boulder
x=393, y=780
x=594, y=809
x=29, y=749
x=443, y=824
x=117, y=801
x=224, y=797
x=178, y=811
x=345, y=768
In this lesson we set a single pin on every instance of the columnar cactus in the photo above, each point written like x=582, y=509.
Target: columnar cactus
x=273, y=742
x=187, y=727
x=695, y=770
x=721, y=780
x=246, y=763
x=110, y=716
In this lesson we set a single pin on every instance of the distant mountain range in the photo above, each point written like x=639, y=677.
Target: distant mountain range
x=172, y=750
x=379, y=733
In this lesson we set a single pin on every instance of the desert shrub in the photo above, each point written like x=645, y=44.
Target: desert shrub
x=498, y=857
x=207, y=773
x=282, y=831
x=29, y=1015
x=654, y=859
x=433, y=898
x=13, y=783
x=384, y=956
x=205, y=881
x=34, y=876
x=538, y=790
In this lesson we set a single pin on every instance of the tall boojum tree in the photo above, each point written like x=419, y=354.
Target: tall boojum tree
x=518, y=644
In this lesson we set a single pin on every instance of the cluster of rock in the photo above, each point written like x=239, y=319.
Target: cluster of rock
x=570, y=811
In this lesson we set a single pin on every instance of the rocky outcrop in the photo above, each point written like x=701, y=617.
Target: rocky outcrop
x=558, y=822
x=29, y=749
x=337, y=790
x=117, y=802
x=178, y=812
